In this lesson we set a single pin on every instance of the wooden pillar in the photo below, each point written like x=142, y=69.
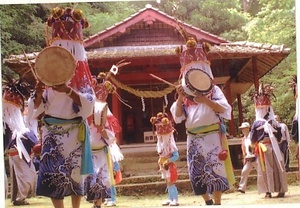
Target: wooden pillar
x=255, y=73
x=231, y=130
x=117, y=112
x=240, y=108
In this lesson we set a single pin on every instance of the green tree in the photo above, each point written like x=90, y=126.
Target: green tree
x=20, y=29
x=229, y=16
x=104, y=15
x=275, y=24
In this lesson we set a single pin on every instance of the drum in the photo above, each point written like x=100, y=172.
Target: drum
x=195, y=80
x=55, y=65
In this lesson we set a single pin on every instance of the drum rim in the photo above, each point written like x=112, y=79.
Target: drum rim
x=71, y=67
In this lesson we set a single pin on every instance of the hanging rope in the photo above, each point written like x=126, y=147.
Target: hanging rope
x=140, y=93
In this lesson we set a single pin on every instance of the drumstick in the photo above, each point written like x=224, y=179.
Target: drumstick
x=165, y=81
x=30, y=66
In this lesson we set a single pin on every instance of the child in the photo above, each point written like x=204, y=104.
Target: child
x=168, y=154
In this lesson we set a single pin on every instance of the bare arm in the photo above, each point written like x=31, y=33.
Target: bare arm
x=179, y=109
x=39, y=88
x=214, y=105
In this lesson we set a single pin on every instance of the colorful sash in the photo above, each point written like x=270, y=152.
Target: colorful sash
x=213, y=128
x=83, y=136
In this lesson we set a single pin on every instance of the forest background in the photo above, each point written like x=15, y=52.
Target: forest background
x=261, y=21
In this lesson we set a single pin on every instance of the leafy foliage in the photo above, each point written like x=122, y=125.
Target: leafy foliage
x=109, y=15
x=17, y=23
x=275, y=24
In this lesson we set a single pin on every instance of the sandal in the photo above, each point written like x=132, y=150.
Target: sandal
x=174, y=203
x=209, y=202
x=166, y=203
x=268, y=195
x=280, y=195
x=20, y=203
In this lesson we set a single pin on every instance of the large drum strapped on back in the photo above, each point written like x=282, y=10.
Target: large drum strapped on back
x=196, y=79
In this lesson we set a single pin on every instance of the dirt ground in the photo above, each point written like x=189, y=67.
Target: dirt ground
x=251, y=199
x=235, y=199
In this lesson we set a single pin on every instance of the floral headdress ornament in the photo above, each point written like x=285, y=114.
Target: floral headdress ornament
x=262, y=97
x=15, y=91
x=162, y=123
x=105, y=87
x=190, y=41
x=57, y=12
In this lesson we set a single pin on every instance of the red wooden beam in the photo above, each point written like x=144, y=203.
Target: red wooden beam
x=146, y=78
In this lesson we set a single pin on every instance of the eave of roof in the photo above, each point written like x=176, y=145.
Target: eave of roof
x=267, y=56
x=222, y=51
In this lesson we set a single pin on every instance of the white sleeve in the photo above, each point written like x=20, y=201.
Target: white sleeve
x=177, y=119
x=220, y=98
x=87, y=105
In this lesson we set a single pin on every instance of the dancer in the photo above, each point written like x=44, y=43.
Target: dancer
x=265, y=131
x=249, y=157
x=18, y=141
x=103, y=126
x=64, y=107
x=66, y=153
x=203, y=111
x=168, y=154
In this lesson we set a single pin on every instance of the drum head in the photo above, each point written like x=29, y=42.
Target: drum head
x=55, y=65
x=198, y=81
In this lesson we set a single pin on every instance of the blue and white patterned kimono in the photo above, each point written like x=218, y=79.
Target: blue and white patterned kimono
x=207, y=173
x=62, y=164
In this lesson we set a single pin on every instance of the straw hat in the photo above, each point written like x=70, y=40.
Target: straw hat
x=244, y=125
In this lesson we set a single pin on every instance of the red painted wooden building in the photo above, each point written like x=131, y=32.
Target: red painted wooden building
x=148, y=40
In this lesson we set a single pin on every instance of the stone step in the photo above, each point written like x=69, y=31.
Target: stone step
x=151, y=184
x=149, y=179
x=182, y=175
x=147, y=185
x=136, y=168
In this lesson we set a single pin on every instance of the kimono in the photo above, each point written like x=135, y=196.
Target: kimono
x=98, y=183
x=22, y=172
x=18, y=143
x=66, y=152
x=105, y=152
x=206, y=171
x=271, y=174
